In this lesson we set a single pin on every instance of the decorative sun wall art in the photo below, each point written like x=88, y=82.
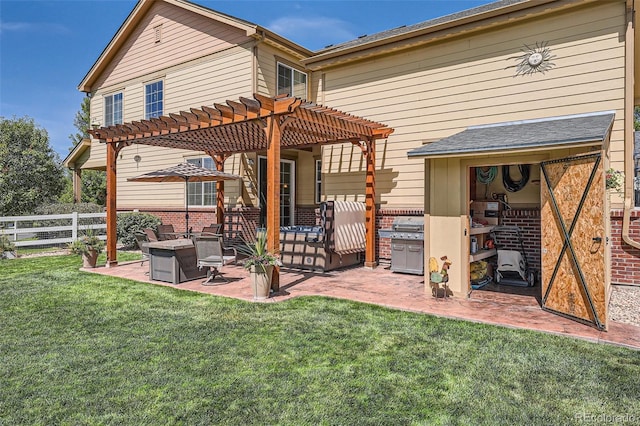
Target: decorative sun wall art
x=537, y=59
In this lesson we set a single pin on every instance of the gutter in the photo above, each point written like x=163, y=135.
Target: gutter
x=629, y=203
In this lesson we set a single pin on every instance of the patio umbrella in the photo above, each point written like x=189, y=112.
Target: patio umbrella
x=185, y=172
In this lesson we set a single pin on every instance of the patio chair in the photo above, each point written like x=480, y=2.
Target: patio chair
x=166, y=232
x=143, y=244
x=151, y=234
x=210, y=253
x=214, y=228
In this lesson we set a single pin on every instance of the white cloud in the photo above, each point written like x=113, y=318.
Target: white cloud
x=309, y=32
x=32, y=27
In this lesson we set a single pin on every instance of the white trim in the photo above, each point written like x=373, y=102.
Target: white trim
x=292, y=204
x=292, y=68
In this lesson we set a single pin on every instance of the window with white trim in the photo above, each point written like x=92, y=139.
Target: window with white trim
x=318, y=185
x=202, y=193
x=291, y=81
x=113, y=109
x=153, y=99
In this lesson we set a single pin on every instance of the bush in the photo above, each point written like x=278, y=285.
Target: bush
x=130, y=223
x=6, y=246
x=66, y=208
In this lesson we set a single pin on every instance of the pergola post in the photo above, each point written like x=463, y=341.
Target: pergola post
x=77, y=185
x=218, y=160
x=273, y=133
x=370, y=205
x=112, y=157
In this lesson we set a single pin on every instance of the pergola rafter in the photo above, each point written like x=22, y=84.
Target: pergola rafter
x=248, y=125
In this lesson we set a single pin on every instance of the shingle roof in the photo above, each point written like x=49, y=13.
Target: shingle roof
x=422, y=25
x=522, y=135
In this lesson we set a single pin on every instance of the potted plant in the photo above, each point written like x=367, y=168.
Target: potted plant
x=260, y=263
x=7, y=248
x=614, y=180
x=89, y=246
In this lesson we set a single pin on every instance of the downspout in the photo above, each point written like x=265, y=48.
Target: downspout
x=629, y=202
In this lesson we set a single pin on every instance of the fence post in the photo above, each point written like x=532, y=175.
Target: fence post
x=74, y=225
x=15, y=230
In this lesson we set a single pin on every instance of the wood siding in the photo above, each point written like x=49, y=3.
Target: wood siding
x=432, y=92
x=185, y=36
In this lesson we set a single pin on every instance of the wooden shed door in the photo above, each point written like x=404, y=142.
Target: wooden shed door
x=573, y=238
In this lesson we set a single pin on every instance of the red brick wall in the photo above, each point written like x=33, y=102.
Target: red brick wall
x=625, y=260
x=528, y=220
x=240, y=222
x=307, y=216
x=384, y=220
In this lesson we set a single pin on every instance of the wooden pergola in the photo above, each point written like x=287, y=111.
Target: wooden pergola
x=248, y=125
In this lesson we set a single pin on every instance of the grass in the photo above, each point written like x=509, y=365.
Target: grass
x=78, y=348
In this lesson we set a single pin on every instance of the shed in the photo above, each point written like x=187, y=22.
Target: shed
x=567, y=154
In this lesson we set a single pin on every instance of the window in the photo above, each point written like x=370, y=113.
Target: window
x=113, y=109
x=318, y=181
x=202, y=193
x=292, y=82
x=153, y=96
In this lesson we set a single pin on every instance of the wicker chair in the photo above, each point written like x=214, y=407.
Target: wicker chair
x=210, y=253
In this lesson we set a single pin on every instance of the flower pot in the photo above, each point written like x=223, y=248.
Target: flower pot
x=89, y=259
x=261, y=281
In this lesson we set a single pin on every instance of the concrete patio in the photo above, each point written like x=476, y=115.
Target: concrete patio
x=504, y=306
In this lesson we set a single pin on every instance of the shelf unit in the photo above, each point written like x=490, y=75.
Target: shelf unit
x=481, y=234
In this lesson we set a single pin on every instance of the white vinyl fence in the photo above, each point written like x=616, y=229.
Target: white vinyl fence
x=52, y=230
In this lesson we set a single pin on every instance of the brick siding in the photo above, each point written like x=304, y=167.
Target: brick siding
x=625, y=260
x=528, y=220
x=241, y=223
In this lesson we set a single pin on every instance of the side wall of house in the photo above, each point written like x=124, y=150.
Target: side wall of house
x=431, y=92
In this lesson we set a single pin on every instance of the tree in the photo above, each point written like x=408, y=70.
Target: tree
x=94, y=182
x=82, y=122
x=31, y=173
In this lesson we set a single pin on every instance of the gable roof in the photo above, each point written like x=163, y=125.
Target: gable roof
x=143, y=6
x=553, y=132
x=491, y=14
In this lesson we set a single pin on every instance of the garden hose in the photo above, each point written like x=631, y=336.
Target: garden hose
x=509, y=184
x=488, y=176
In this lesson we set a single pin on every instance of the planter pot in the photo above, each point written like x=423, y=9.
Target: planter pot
x=261, y=281
x=89, y=259
x=8, y=255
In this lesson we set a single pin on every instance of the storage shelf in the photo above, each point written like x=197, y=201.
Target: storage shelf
x=481, y=230
x=482, y=254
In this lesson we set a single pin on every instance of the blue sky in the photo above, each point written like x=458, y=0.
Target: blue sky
x=47, y=47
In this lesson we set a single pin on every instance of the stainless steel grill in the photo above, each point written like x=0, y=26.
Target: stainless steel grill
x=407, y=244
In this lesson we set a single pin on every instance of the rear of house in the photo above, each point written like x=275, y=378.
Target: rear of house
x=477, y=100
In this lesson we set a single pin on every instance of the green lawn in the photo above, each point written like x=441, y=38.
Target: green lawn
x=78, y=348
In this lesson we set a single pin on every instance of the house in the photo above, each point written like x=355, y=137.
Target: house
x=518, y=104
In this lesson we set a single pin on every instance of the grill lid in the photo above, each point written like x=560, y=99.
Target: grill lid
x=408, y=223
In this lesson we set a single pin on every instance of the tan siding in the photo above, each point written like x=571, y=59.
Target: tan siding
x=229, y=76
x=433, y=92
x=185, y=36
x=169, y=195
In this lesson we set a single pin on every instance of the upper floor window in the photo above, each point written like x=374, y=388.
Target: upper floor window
x=202, y=193
x=113, y=109
x=153, y=97
x=291, y=81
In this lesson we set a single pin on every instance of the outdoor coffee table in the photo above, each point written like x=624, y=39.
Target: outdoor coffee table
x=174, y=261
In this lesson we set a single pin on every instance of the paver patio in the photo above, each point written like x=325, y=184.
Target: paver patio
x=380, y=286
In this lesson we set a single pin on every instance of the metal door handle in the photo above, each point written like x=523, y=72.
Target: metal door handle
x=597, y=239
